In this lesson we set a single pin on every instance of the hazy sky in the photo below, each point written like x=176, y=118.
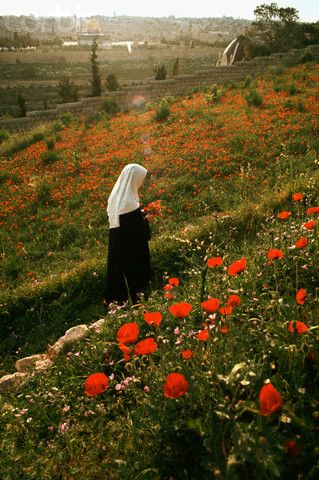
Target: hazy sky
x=308, y=9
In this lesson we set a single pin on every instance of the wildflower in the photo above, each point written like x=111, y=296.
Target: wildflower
x=226, y=310
x=153, y=317
x=173, y=282
x=297, y=197
x=270, y=399
x=284, y=215
x=214, y=262
x=126, y=350
x=224, y=329
x=187, y=354
x=176, y=385
x=292, y=447
x=203, y=335
x=128, y=333
x=309, y=225
x=95, y=384
x=169, y=296
x=147, y=389
x=210, y=305
x=301, y=296
x=237, y=267
x=301, y=243
x=312, y=210
x=145, y=347
x=274, y=254
x=233, y=301
x=180, y=310
x=297, y=327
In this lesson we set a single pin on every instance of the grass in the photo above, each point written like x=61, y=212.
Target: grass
x=221, y=190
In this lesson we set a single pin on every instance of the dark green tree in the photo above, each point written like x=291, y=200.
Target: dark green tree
x=22, y=105
x=111, y=82
x=96, y=77
x=160, y=72
x=175, y=70
x=68, y=91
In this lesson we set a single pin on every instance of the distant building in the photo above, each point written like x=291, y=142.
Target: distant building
x=92, y=30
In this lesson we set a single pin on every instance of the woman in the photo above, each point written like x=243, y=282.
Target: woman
x=129, y=267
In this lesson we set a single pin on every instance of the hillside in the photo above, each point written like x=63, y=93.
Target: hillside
x=235, y=290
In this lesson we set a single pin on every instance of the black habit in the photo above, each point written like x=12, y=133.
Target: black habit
x=128, y=258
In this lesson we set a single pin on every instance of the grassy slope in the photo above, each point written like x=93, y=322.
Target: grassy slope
x=134, y=434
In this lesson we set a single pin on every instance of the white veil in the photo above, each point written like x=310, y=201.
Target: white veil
x=124, y=196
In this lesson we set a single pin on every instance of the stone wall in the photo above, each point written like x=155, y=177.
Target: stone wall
x=136, y=96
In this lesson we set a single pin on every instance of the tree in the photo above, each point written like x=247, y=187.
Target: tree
x=175, y=70
x=22, y=105
x=160, y=72
x=68, y=91
x=96, y=77
x=111, y=82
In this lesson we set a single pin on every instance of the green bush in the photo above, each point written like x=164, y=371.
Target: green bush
x=306, y=56
x=4, y=135
x=49, y=156
x=253, y=98
x=50, y=143
x=112, y=83
x=162, y=112
x=110, y=106
x=160, y=72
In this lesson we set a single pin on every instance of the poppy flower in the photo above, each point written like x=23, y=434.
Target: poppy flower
x=274, y=254
x=173, y=282
x=180, y=310
x=233, y=301
x=292, y=448
x=301, y=296
x=297, y=197
x=145, y=347
x=270, y=399
x=126, y=350
x=128, y=333
x=187, y=354
x=312, y=210
x=203, y=335
x=214, y=262
x=297, y=327
x=211, y=305
x=176, y=385
x=309, y=225
x=153, y=317
x=226, y=310
x=169, y=296
x=95, y=384
x=237, y=267
x=284, y=215
x=167, y=288
x=301, y=243
x=224, y=329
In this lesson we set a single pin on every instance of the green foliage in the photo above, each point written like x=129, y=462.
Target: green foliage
x=160, y=72
x=253, y=98
x=215, y=93
x=50, y=143
x=306, y=56
x=50, y=156
x=22, y=106
x=96, y=82
x=112, y=83
x=176, y=67
x=162, y=112
x=110, y=106
x=68, y=90
x=4, y=135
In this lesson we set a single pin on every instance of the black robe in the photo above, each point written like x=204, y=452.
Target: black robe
x=128, y=258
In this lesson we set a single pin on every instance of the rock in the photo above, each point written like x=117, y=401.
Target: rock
x=28, y=364
x=98, y=326
x=12, y=381
x=44, y=364
x=72, y=335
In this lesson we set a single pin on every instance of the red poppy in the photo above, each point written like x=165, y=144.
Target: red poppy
x=226, y=310
x=203, y=335
x=153, y=317
x=297, y=327
x=301, y=296
x=145, y=347
x=176, y=385
x=297, y=197
x=126, y=350
x=180, y=310
x=274, y=254
x=214, y=262
x=95, y=384
x=270, y=399
x=301, y=243
x=169, y=296
x=127, y=333
x=292, y=448
x=233, y=301
x=237, y=266
x=173, y=282
x=224, y=329
x=187, y=354
x=284, y=215
x=211, y=305
x=167, y=288
x=312, y=210
x=309, y=225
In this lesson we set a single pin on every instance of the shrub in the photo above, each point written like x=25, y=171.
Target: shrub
x=22, y=105
x=253, y=98
x=160, y=72
x=49, y=156
x=110, y=106
x=111, y=82
x=43, y=193
x=4, y=135
x=215, y=93
x=68, y=91
x=162, y=112
x=306, y=56
x=50, y=143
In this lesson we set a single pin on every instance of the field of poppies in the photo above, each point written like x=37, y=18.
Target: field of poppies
x=216, y=374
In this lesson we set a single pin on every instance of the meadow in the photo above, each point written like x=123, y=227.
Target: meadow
x=216, y=374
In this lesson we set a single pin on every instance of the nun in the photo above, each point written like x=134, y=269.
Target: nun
x=128, y=263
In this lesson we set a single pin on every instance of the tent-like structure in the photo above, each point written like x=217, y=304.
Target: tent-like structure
x=237, y=50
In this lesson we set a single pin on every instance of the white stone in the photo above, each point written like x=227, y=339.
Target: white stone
x=98, y=326
x=27, y=364
x=72, y=335
x=44, y=364
x=12, y=381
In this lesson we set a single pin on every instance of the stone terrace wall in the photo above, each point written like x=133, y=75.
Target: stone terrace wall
x=135, y=96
